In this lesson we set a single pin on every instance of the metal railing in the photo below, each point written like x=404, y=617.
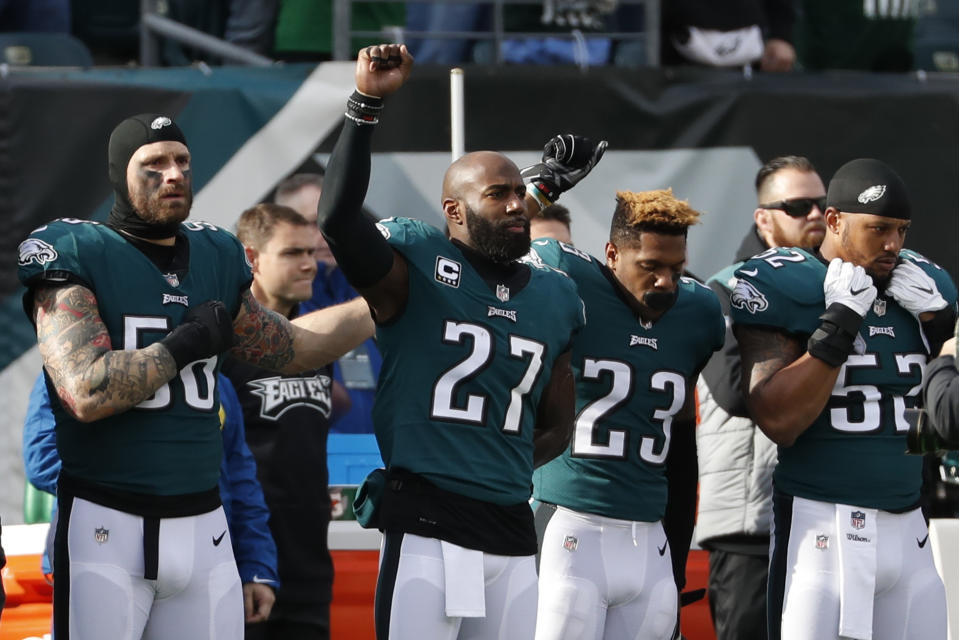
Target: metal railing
x=343, y=32
x=154, y=25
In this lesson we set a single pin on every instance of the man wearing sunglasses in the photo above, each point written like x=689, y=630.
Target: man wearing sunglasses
x=833, y=346
x=735, y=458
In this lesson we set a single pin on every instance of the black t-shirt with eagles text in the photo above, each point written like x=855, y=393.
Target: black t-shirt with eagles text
x=287, y=419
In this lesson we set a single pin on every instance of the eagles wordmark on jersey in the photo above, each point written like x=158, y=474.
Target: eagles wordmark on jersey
x=175, y=447
x=631, y=381
x=465, y=365
x=853, y=452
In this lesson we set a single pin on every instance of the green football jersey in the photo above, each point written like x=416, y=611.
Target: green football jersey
x=464, y=367
x=854, y=452
x=169, y=444
x=631, y=380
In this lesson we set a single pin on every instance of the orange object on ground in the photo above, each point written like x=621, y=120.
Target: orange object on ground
x=28, y=610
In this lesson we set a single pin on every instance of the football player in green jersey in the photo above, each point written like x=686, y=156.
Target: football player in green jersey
x=475, y=386
x=833, y=350
x=606, y=568
x=132, y=319
x=736, y=459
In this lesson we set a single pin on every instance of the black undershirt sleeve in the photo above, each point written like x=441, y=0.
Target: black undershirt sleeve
x=682, y=473
x=361, y=251
x=723, y=372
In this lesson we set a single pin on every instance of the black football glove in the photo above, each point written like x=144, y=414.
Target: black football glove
x=206, y=330
x=922, y=437
x=567, y=159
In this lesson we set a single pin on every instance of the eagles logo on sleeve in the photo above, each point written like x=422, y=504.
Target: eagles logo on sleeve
x=35, y=250
x=748, y=298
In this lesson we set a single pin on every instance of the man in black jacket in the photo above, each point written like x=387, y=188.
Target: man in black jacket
x=729, y=34
x=735, y=458
x=287, y=419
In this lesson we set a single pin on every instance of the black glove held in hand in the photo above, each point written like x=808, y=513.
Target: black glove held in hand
x=922, y=437
x=206, y=330
x=567, y=159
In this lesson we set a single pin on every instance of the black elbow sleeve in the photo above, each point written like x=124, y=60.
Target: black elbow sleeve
x=361, y=251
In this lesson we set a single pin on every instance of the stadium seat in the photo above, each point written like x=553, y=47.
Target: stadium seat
x=43, y=50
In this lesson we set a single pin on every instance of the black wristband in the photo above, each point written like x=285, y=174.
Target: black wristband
x=939, y=328
x=833, y=341
x=363, y=109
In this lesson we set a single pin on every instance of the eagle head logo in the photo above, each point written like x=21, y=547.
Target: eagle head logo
x=747, y=297
x=872, y=194
x=35, y=250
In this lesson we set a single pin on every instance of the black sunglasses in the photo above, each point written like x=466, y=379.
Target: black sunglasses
x=797, y=207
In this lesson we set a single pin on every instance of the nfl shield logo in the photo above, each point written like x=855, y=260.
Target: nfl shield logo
x=101, y=535
x=879, y=307
x=822, y=542
x=570, y=543
x=172, y=279
x=502, y=292
x=857, y=519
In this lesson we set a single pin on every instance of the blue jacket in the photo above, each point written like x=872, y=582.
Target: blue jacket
x=330, y=287
x=240, y=492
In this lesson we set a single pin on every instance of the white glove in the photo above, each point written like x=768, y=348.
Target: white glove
x=914, y=289
x=849, y=285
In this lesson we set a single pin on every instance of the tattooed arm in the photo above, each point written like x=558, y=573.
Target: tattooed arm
x=267, y=339
x=786, y=388
x=91, y=379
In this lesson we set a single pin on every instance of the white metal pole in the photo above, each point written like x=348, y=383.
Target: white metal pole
x=457, y=115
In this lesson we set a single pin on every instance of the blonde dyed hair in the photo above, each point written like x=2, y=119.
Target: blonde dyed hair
x=658, y=211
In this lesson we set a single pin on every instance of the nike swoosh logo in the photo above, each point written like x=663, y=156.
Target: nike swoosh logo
x=258, y=580
x=748, y=272
x=662, y=550
x=922, y=543
x=856, y=292
x=925, y=290
x=217, y=540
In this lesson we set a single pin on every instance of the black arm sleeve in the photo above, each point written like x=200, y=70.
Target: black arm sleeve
x=682, y=473
x=361, y=251
x=723, y=372
x=940, y=390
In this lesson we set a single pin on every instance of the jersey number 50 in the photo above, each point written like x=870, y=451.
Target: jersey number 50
x=194, y=396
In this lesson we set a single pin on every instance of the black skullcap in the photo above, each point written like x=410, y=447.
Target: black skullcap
x=127, y=137
x=867, y=185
